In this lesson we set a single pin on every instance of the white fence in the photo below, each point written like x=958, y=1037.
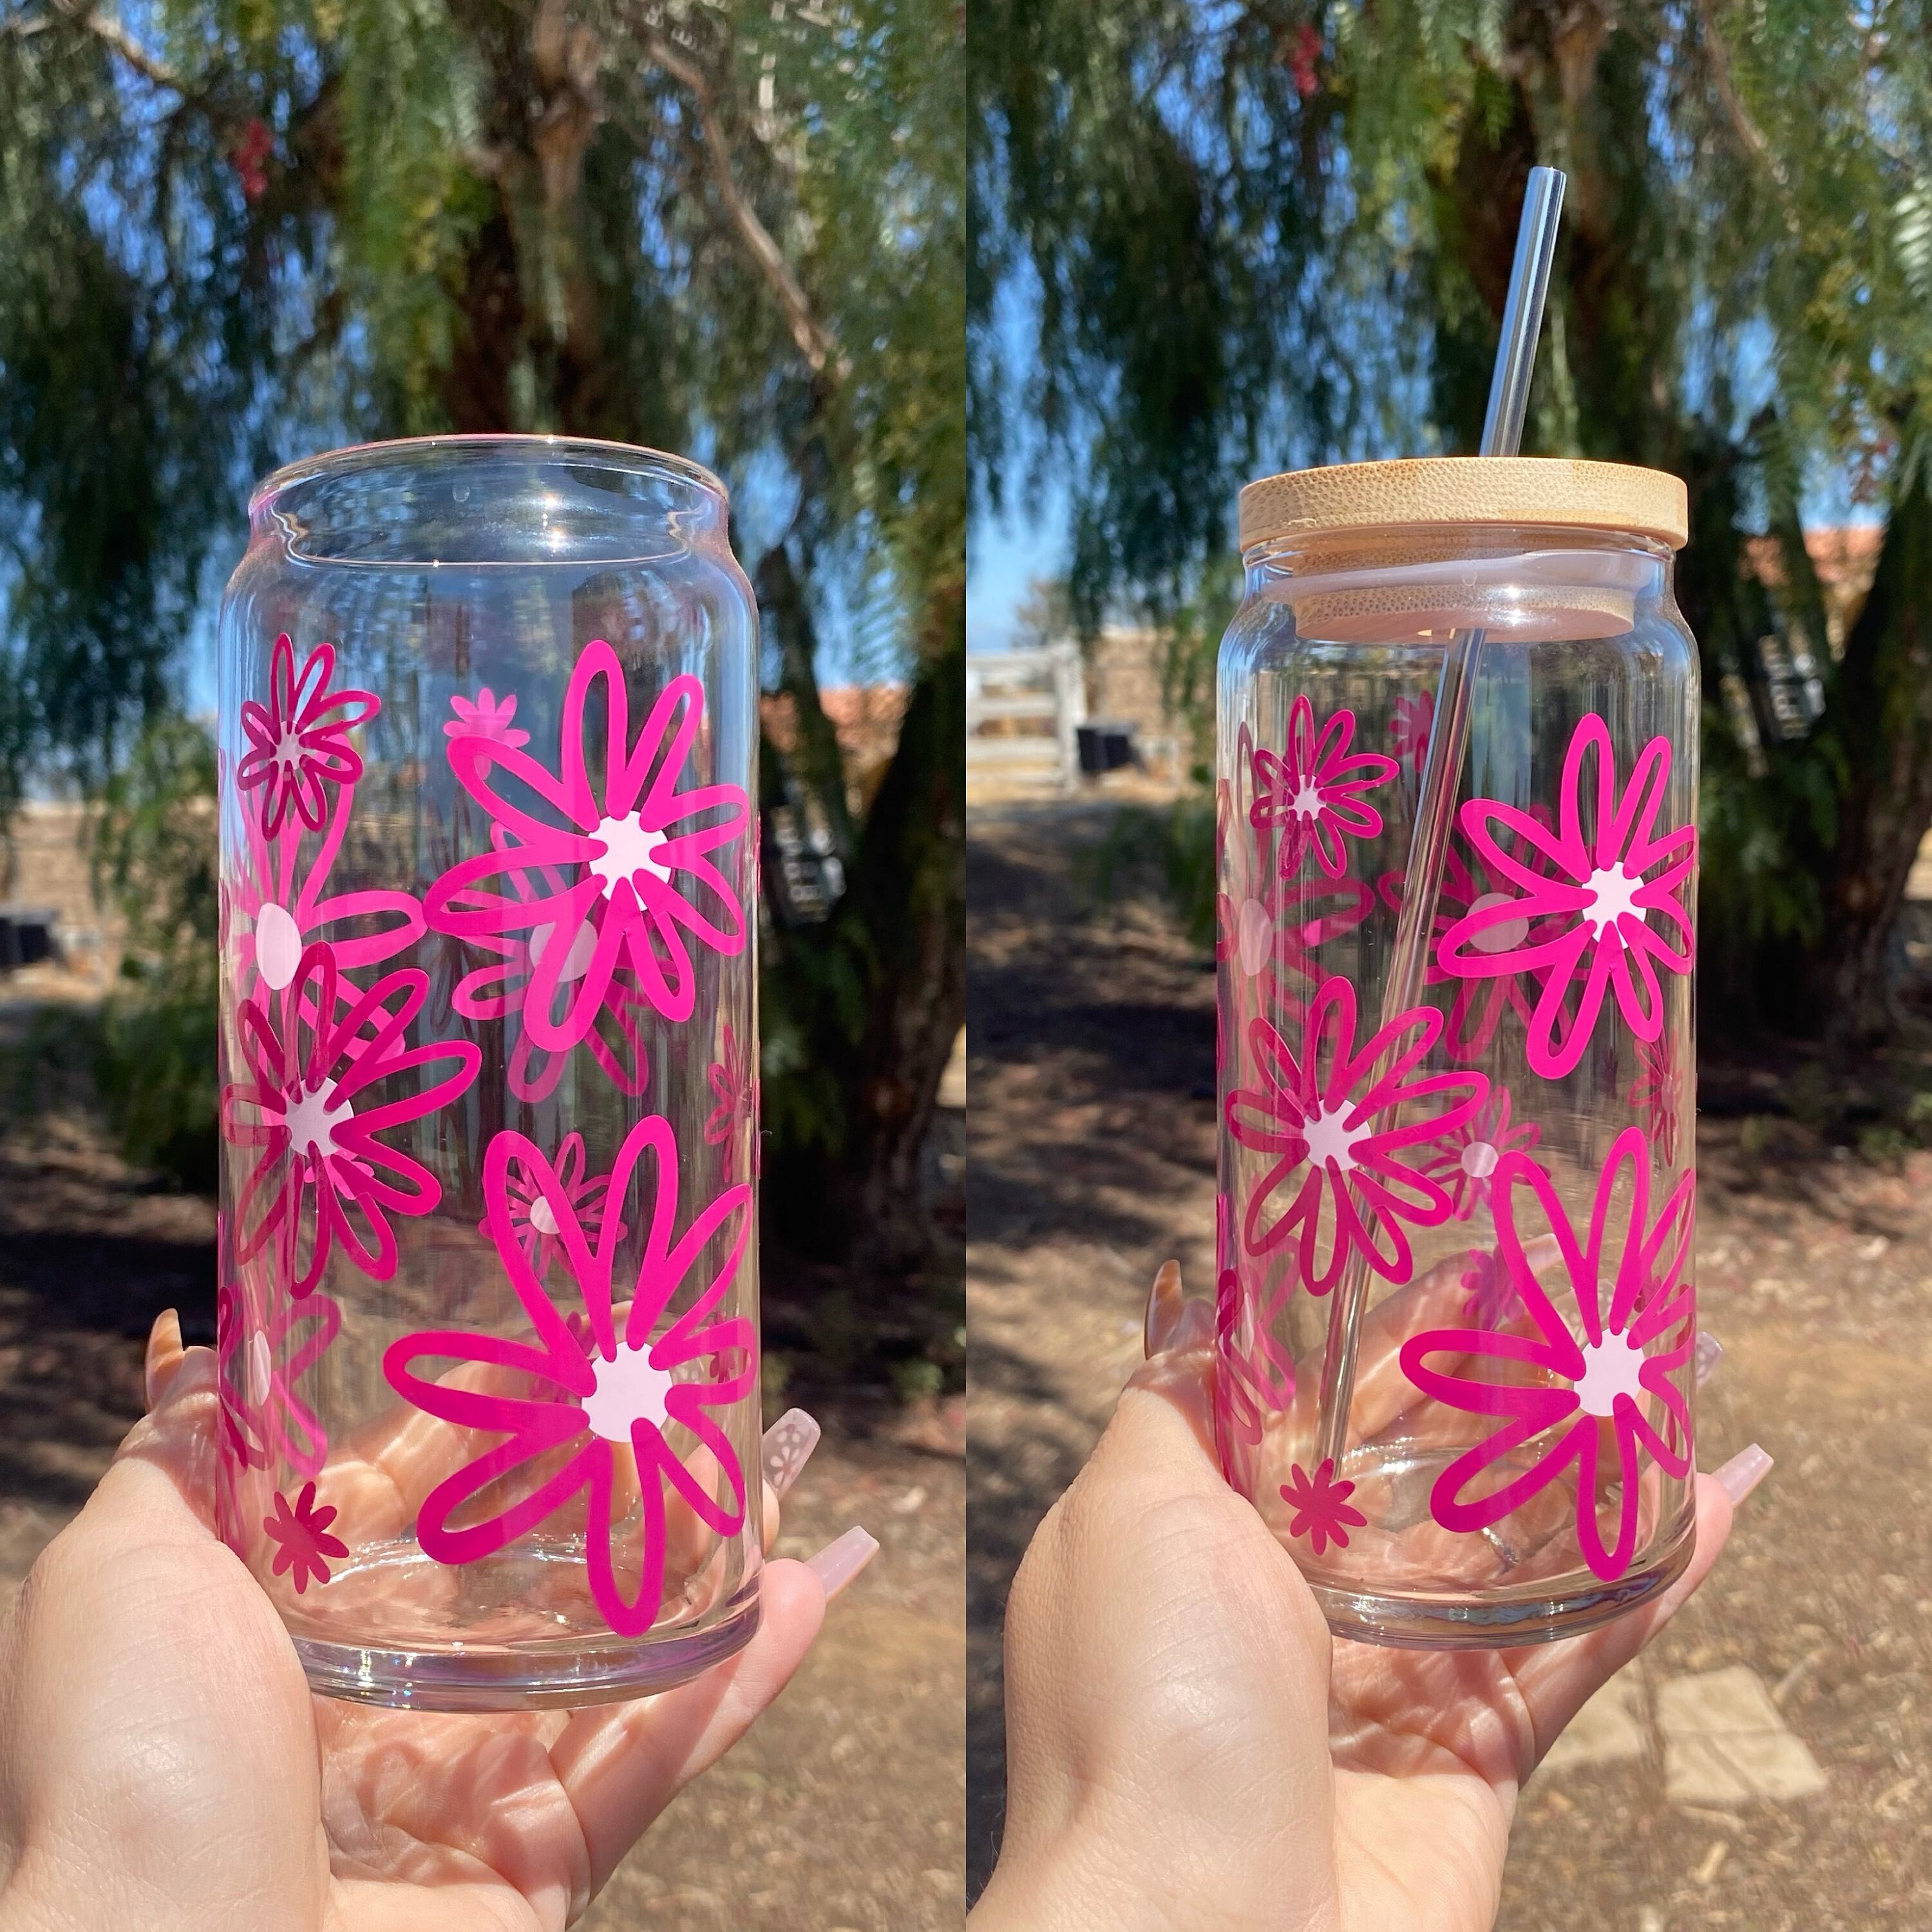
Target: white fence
x=1017, y=692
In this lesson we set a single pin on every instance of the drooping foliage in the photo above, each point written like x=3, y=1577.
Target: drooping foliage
x=1260, y=235
x=236, y=230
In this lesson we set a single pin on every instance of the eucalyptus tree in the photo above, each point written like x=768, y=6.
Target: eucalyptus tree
x=232, y=228
x=1279, y=231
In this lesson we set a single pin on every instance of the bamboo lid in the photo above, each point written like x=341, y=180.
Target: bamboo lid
x=1551, y=491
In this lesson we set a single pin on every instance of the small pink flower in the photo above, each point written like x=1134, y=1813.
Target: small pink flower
x=1575, y=1399
x=630, y=854
x=312, y=1102
x=1590, y=905
x=1312, y=792
x=596, y=1389
x=262, y=1364
x=1658, y=1094
x=1336, y=1119
x=488, y=717
x=303, y=1534
x=1409, y=729
x=536, y=1225
x=737, y=1087
x=299, y=742
x=1489, y=1295
x=1470, y=1153
x=1322, y=1507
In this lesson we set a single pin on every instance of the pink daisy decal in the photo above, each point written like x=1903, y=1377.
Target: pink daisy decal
x=1479, y=1007
x=613, y=870
x=1582, y=919
x=277, y=906
x=1336, y=1121
x=597, y=1387
x=497, y=990
x=1470, y=1153
x=1489, y=1295
x=487, y=716
x=1313, y=790
x=262, y=1364
x=1410, y=727
x=298, y=741
x=1256, y=1377
x=1658, y=1094
x=1597, y=1402
x=736, y=1087
x=302, y=1531
x=1322, y=1512
x=531, y=1219
x=314, y=1102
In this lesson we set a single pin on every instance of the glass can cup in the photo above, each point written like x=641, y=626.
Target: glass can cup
x=487, y=1259
x=1456, y=1282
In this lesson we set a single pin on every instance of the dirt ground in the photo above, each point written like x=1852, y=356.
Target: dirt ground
x=1091, y=1157
x=843, y=1810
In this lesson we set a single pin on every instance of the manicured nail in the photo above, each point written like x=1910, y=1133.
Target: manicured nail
x=164, y=1350
x=1743, y=1473
x=842, y=1558
x=1710, y=1353
x=788, y=1447
x=1163, y=1310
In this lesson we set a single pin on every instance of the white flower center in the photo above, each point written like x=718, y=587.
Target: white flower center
x=278, y=945
x=628, y=1390
x=630, y=847
x=542, y=1219
x=1256, y=935
x=1479, y=1159
x=1330, y=1137
x=1506, y=934
x=1612, y=893
x=290, y=751
x=312, y=1120
x=1307, y=802
x=1610, y=1369
x=261, y=1369
x=576, y=961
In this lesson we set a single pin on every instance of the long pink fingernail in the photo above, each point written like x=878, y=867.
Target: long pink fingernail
x=788, y=1447
x=1163, y=1310
x=1743, y=1473
x=842, y=1558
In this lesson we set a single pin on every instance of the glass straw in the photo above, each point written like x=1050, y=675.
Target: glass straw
x=1448, y=742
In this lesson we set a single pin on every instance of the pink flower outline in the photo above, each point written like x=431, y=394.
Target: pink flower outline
x=1470, y=1153
x=537, y=1231
x=264, y=1420
x=302, y=1533
x=736, y=1088
x=1647, y=1304
x=1313, y=790
x=1254, y=1377
x=1592, y=898
x=487, y=716
x=296, y=746
x=629, y=833
x=1321, y=1507
x=1657, y=1092
x=1411, y=726
x=1350, y=1164
x=568, y=1361
x=316, y=1088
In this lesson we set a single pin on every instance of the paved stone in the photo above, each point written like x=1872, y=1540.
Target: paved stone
x=1725, y=1743
x=1610, y=1729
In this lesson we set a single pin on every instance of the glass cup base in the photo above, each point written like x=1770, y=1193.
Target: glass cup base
x=1501, y=1621
x=529, y=1677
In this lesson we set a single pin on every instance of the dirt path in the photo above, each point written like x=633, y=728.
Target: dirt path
x=843, y=1810
x=1092, y=1158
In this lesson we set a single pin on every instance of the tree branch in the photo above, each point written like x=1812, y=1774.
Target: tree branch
x=815, y=343
x=117, y=39
x=1750, y=136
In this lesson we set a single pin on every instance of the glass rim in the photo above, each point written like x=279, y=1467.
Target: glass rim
x=636, y=458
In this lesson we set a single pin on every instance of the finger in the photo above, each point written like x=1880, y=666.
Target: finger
x=621, y=1765
x=179, y=1434
x=1557, y=1679
x=1163, y=1310
x=165, y=1354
